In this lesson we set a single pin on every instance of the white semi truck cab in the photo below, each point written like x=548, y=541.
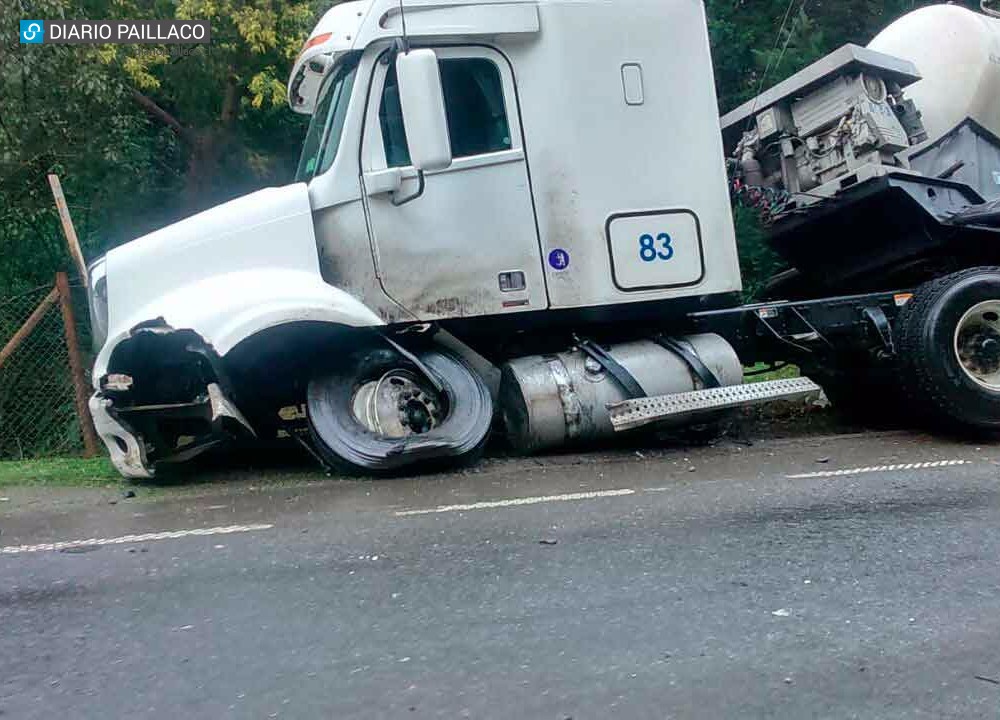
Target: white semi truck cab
x=508, y=213
x=516, y=168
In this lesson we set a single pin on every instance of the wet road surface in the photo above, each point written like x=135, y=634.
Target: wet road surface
x=713, y=583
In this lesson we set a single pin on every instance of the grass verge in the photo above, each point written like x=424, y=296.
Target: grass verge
x=760, y=373
x=59, y=472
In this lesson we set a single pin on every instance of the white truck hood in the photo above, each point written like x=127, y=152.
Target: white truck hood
x=227, y=273
x=269, y=229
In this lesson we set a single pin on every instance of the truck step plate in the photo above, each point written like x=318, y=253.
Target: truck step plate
x=632, y=414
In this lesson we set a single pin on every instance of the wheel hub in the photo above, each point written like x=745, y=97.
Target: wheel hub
x=397, y=405
x=977, y=344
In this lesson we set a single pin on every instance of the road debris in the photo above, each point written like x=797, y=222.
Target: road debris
x=80, y=549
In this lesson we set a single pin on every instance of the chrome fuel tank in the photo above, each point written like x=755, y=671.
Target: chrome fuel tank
x=554, y=400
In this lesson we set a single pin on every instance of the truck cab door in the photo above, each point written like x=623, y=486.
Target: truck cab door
x=468, y=244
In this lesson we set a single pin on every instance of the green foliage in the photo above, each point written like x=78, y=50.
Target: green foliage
x=757, y=260
x=63, y=110
x=762, y=372
x=139, y=135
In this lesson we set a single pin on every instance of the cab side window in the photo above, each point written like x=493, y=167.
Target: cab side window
x=474, y=104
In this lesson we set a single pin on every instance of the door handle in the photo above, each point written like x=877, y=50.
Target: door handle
x=391, y=180
x=383, y=181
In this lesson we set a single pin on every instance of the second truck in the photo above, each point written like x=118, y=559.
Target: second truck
x=517, y=213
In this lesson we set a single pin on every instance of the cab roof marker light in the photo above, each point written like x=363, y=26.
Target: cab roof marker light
x=318, y=40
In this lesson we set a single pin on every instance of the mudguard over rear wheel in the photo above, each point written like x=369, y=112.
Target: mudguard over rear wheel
x=377, y=413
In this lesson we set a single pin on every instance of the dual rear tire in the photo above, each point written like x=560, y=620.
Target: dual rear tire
x=946, y=371
x=948, y=338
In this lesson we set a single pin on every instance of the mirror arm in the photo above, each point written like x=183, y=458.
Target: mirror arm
x=390, y=56
x=397, y=201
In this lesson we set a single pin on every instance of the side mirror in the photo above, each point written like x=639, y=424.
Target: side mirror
x=421, y=100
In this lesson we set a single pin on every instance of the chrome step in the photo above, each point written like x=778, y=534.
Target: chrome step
x=632, y=414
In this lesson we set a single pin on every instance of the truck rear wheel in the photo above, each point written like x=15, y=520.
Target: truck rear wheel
x=949, y=346
x=377, y=413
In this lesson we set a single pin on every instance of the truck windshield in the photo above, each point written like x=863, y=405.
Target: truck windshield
x=323, y=137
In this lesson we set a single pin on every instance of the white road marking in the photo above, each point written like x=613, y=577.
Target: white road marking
x=517, y=502
x=127, y=539
x=880, y=469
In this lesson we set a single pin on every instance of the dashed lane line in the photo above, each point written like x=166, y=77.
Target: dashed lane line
x=901, y=467
x=517, y=502
x=129, y=539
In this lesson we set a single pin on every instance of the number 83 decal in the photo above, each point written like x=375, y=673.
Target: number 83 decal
x=652, y=249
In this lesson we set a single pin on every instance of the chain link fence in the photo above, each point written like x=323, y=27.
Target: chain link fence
x=38, y=410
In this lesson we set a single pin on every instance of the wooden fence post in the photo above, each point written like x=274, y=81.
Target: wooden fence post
x=68, y=230
x=80, y=389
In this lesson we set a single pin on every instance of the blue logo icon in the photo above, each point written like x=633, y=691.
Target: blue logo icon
x=559, y=259
x=32, y=31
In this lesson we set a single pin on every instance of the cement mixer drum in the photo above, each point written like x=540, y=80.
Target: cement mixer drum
x=957, y=52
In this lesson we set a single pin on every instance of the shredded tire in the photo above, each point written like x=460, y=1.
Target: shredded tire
x=348, y=445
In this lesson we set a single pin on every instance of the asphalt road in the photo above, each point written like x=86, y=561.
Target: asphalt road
x=701, y=584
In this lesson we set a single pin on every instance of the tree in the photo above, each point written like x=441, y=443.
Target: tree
x=207, y=95
x=63, y=110
x=140, y=135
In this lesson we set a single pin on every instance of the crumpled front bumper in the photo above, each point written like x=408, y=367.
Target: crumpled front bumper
x=131, y=452
x=160, y=399
x=128, y=453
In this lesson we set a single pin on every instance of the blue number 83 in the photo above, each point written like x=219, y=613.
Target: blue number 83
x=648, y=251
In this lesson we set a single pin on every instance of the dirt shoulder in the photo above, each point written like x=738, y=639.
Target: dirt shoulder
x=62, y=484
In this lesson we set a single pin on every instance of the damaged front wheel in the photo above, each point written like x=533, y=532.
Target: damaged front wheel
x=378, y=413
